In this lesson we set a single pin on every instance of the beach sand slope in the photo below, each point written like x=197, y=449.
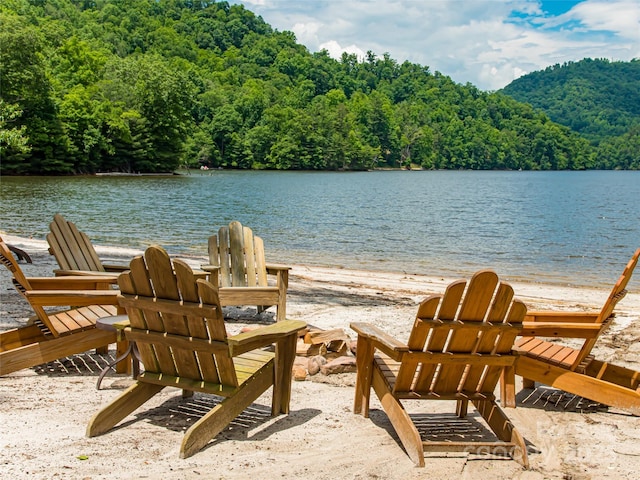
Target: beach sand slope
x=44, y=410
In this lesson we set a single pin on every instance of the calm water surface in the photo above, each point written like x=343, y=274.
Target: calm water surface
x=566, y=227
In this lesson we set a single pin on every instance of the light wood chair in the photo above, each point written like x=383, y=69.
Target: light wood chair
x=74, y=251
x=52, y=335
x=459, y=346
x=177, y=324
x=575, y=370
x=237, y=265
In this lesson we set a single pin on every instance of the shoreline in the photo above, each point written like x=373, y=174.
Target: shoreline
x=43, y=436
x=410, y=283
x=357, y=286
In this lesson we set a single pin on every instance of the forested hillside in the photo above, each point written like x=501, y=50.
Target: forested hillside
x=154, y=85
x=599, y=99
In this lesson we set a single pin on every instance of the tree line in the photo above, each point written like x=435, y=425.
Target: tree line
x=598, y=98
x=155, y=85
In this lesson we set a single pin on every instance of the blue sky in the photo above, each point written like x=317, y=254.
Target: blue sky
x=488, y=43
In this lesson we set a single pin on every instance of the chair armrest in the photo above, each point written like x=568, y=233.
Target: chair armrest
x=561, y=329
x=200, y=274
x=281, y=272
x=210, y=268
x=84, y=273
x=380, y=339
x=76, y=298
x=113, y=268
x=561, y=317
x=212, y=271
x=274, y=268
x=71, y=282
x=261, y=337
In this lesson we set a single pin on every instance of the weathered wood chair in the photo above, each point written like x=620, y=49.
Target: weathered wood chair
x=575, y=370
x=49, y=335
x=237, y=263
x=177, y=324
x=459, y=345
x=21, y=254
x=74, y=251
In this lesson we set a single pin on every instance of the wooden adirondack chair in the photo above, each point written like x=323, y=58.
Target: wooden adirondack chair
x=74, y=251
x=459, y=345
x=177, y=324
x=50, y=336
x=237, y=263
x=575, y=370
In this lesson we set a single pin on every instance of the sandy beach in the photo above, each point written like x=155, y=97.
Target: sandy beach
x=44, y=410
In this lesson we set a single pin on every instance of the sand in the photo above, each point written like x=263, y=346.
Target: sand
x=44, y=410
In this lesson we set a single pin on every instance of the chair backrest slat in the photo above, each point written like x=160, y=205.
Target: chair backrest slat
x=606, y=313
x=420, y=331
x=248, y=258
x=165, y=286
x=224, y=256
x=478, y=297
x=163, y=296
x=237, y=255
x=72, y=248
x=57, y=250
x=451, y=300
x=240, y=255
x=504, y=342
x=619, y=289
x=417, y=339
x=261, y=263
x=481, y=319
x=22, y=285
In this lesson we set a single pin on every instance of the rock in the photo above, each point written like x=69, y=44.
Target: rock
x=300, y=369
x=315, y=363
x=339, y=365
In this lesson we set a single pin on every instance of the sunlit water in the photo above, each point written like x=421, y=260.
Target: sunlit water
x=578, y=228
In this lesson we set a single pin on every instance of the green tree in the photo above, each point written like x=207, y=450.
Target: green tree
x=26, y=86
x=152, y=85
x=13, y=138
x=162, y=94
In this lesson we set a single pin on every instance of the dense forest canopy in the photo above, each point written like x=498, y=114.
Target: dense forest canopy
x=600, y=99
x=155, y=85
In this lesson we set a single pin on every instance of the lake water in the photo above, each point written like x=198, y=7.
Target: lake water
x=577, y=228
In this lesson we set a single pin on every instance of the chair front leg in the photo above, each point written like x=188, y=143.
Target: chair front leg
x=364, y=365
x=285, y=356
x=508, y=387
x=282, y=281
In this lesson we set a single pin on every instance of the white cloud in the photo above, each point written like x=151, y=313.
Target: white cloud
x=307, y=33
x=336, y=51
x=621, y=18
x=488, y=43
